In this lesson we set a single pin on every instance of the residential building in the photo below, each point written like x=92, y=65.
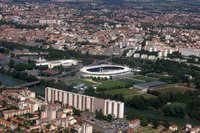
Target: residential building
x=84, y=102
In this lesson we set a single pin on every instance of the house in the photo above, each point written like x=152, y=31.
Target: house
x=134, y=123
x=86, y=128
x=34, y=127
x=195, y=129
x=5, y=123
x=173, y=128
x=188, y=127
x=130, y=130
x=9, y=113
x=77, y=128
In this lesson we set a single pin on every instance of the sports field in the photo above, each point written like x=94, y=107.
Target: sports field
x=156, y=75
x=111, y=84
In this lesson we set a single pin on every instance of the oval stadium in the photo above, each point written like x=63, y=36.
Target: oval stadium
x=106, y=71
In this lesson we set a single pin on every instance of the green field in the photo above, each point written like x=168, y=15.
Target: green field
x=81, y=81
x=122, y=86
x=144, y=78
x=156, y=75
x=129, y=93
x=111, y=84
x=173, y=89
x=122, y=91
x=130, y=81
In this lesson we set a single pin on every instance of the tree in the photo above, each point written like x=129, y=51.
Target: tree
x=166, y=124
x=25, y=66
x=59, y=68
x=76, y=112
x=100, y=115
x=9, y=119
x=11, y=63
x=109, y=118
x=175, y=109
x=48, y=126
x=42, y=131
x=29, y=115
x=66, y=130
x=33, y=122
x=155, y=124
x=118, y=97
x=138, y=102
x=144, y=122
x=19, y=118
x=153, y=92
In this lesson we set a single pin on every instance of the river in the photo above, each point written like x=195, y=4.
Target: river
x=9, y=81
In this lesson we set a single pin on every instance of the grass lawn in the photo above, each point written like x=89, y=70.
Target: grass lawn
x=81, y=81
x=130, y=81
x=144, y=78
x=156, y=75
x=122, y=91
x=173, y=89
x=111, y=84
x=129, y=93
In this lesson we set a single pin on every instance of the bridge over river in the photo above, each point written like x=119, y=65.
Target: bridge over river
x=29, y=84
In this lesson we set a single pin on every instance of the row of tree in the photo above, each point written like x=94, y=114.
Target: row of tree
x=22, y=66
x=180, y=105
x=19, y=75
x=100, y=116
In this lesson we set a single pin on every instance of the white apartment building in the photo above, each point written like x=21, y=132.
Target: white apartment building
x=84, y=102
x=188, y=52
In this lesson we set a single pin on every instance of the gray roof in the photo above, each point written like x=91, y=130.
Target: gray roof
x=151, y=84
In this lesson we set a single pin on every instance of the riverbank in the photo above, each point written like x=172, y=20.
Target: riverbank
x=9, y=81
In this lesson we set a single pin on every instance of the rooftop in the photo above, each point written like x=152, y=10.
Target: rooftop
x=151, y=84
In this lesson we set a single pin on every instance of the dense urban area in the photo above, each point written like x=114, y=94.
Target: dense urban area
x=100, y=66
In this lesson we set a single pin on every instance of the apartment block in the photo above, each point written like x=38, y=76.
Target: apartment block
x=84, y=102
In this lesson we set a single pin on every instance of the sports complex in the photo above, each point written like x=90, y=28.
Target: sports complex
x=106, y=71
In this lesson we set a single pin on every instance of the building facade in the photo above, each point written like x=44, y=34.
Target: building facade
x=10, y=113
x=84, y=102
x=52, y=64
x=86, y=128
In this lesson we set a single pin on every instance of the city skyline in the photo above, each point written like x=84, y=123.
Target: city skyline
x=100, y=66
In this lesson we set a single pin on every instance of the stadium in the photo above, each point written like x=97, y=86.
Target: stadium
x=106, y=71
